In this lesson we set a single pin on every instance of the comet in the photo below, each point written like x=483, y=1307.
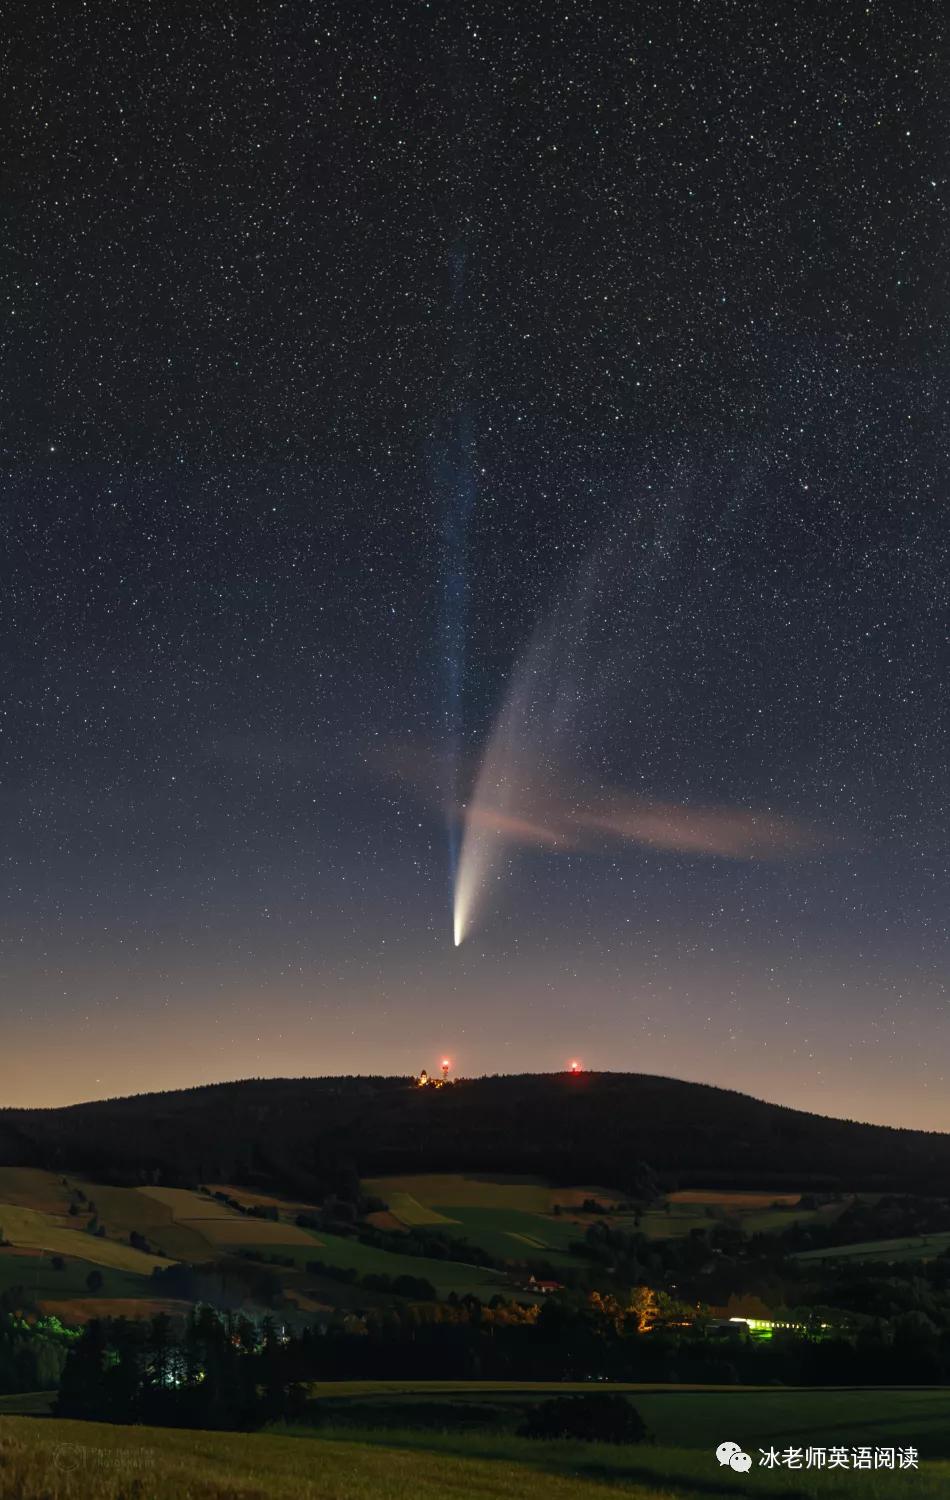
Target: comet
x=531, y=792
x=512, y=798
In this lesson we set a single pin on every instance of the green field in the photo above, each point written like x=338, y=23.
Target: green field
x=509, y=1217
x=513, y=1218
x=366, y=1260
x=35, y=1274
x=686, y=1212
x=699, y=1417
x=512, y=1234
x=195, y=1227
x=918, y=1247
x=28, y=1404
x=409, y=1211
x=464, y=1190
x=71, y=1460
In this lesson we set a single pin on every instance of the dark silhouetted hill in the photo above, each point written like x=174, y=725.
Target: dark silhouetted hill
x=309, y=1136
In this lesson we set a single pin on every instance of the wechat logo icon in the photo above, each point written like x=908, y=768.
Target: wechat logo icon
x=732, y=1454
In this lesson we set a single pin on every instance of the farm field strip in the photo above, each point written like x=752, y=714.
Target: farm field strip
x=33, y=1270
x=32, y=1230
x=251, y=1198
x=221, y=1226
x=84, y=1309
x=123, y=1210
x=259, y=1233
x=184, y=1204
x=907, y=1247
x=366, y=1260
x=515, y=1217
x=448, y=1190
x=510, y=1234
x=411, y=1212
x=739, y=1199
x=29, y=1187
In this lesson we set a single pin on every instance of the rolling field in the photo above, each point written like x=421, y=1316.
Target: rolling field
x=223, y=1234
x=409, y=1211
x=182, y=1225
x=756, y=1212
x=80, y=1309
x=510, y=1217
x=445, y=1275
x=34, y=1212
x=738, y=1199
x=40, y=1458
x=122, y=1210
x=753, y=1211
x=71, y=1460
x=512, y=1234
x=35, y=1274
x=184, y=1204
x=513, y=1218
x=190, y=1226
x=460, y=1190
x=221, y=1227
x=26, y=1228
x=918, y=1247
x=251, y=1197
x=29, y=1187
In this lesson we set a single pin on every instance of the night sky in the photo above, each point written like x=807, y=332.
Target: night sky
x=402, y=399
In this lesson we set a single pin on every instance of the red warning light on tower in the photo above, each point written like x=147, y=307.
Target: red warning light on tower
x=575, y=1066
x=446, y=1065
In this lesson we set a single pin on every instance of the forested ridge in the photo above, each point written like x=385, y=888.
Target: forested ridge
x=313, y=1135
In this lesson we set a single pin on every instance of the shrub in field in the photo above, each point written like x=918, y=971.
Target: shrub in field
x=598, y=1418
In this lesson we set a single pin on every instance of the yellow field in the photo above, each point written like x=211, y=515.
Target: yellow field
x=456, y=1190
x=27, y=1187
x=123, y=1209
x=84, y=1309
x=385, y=1220
x=408, y=1210
x=35, y=1231
x=220, y=1225
x=241, y=1231
x=120, y=1210
x=185, y=1204
x=249, y=1197
x=734, y=1200
x=306, y=1303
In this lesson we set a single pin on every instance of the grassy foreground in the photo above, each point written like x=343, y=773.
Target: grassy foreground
x=58, y=1460
x=53, y=1460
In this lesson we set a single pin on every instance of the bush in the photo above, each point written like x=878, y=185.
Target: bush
x=599, y=1418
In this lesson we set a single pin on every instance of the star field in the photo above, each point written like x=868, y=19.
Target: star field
x=349, y=348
